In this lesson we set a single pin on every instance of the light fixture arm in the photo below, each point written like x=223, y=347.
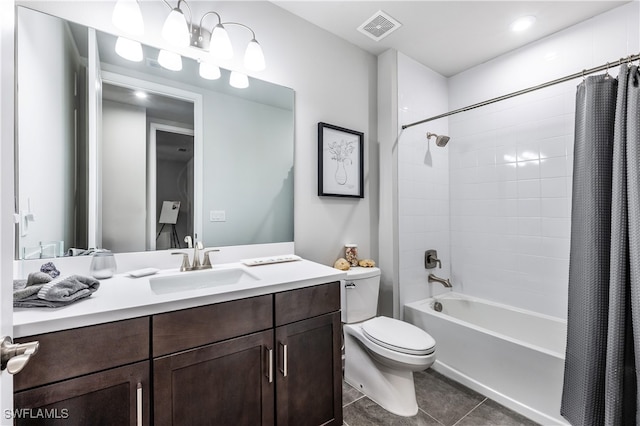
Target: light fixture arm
x=253, y=34
x=210, y=13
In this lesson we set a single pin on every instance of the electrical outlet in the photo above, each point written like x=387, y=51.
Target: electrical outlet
x=217, y=216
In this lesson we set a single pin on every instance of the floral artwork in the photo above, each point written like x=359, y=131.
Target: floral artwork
x=340, y=158
x=341, y=152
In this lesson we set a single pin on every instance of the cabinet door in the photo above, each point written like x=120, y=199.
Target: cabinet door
x=309, y=372
x=119, y=396
x=226, y=383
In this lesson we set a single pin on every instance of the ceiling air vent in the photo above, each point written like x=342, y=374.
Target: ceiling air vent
x=379, y=26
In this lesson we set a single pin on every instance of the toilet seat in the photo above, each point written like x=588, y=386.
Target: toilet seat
x=398, y=336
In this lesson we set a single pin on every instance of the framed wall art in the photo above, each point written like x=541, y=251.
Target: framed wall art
x=340, y=162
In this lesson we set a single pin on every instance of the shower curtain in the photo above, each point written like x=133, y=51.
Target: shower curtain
x=600, y=378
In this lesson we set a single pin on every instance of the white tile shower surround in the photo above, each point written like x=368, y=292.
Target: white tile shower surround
x=503, y=188
x=510, y=199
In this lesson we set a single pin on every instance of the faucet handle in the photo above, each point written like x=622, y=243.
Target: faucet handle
x=431, y=259
x=189, y=241
x=185, y=261
x=207, y=260
x=199, y=245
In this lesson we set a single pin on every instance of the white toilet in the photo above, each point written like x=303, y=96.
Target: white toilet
x=381, y=353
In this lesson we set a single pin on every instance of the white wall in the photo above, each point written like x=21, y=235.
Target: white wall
x=124, y=193
x=511, y=164
x=46, y=128
x=334, y=82
x=423, y=180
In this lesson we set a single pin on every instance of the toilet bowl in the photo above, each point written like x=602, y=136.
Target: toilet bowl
x=381, y=353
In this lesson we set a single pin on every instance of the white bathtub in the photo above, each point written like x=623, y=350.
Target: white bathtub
x=513, y=356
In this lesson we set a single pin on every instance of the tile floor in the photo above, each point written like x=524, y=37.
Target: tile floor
x=441, y=402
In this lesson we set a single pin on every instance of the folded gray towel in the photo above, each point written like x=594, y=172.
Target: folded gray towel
x=54, y=293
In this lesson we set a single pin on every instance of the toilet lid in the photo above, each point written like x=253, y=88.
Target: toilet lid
x=399, y=336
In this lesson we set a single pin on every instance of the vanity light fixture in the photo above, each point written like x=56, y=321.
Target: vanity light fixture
x=170, y=60
x=128, y=17
x=209, y=71
x=238, y=80
x=175, y=29
x=129, y=49
x=180, y=31
x=522, y=23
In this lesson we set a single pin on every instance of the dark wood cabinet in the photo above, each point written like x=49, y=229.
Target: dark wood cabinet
x=118, y=396
x=265, y=360
x=309, y=373
x=96, y=375
x=226, y=383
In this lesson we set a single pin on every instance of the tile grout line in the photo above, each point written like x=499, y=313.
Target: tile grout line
x=438, y=421
x=470, y=411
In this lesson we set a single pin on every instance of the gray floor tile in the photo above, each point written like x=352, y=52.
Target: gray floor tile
x=443, y=399
x=349, y=393
x=365, y=412
x=490, y=413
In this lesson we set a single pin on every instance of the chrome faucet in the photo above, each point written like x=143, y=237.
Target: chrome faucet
x=196, y=256
x=444, y=282
x=195, y=265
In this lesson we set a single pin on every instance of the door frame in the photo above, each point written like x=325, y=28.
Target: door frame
x=152, y=227
x=198, y=132
x=7, y=189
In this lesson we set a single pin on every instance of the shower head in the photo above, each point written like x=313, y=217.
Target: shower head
x=440, y=140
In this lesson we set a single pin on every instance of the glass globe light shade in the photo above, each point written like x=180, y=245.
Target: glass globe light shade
x=220, y=45
x=176, y=30
x=129, y=49
x=128, y=17
x=253, y=57
x=209, y=71
x=170, y=60
x=238, y=80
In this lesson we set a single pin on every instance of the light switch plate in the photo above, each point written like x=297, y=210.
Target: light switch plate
x=217, y=216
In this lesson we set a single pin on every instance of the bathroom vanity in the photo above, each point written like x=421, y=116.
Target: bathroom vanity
x=266, y=352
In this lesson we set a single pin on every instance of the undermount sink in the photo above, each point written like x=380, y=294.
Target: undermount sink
x=193, y=280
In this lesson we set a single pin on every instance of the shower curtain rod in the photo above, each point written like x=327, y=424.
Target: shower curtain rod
x=582, y=73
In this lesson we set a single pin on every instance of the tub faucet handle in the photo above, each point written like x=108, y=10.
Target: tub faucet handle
x=431, y=259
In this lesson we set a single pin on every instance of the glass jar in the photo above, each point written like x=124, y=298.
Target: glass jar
x=103, y=264
x=351, y=254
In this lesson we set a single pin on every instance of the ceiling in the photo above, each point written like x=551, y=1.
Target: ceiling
x=447, y=36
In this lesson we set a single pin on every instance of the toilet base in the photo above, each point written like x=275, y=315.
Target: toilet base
x=391, y=388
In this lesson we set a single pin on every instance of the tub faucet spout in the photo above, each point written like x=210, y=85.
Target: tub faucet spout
x=443, y=281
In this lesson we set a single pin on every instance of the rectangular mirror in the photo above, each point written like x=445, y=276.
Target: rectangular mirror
x=100, y=166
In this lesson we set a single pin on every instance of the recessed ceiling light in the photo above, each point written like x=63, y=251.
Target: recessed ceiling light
x=523, y=23
x=140, y=95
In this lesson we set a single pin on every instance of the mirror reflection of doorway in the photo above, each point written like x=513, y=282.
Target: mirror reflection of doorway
x=174, y=181
x=147, y=158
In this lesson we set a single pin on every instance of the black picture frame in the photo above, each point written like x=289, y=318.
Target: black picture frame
x=340, y=162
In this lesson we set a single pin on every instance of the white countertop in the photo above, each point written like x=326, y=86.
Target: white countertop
x=122, y=297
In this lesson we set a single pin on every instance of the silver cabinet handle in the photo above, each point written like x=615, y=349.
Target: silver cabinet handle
x=269, y=364
x=139, y=405
x=14, y=356
x=283, y=370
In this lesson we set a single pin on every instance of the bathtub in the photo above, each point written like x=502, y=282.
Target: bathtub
x=513, y=356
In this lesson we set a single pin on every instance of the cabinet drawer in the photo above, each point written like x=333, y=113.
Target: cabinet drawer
x=71, y=353
x=189, y=328
x=303, y=303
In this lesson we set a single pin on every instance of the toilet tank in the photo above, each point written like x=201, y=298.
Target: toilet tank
x=359, y=294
